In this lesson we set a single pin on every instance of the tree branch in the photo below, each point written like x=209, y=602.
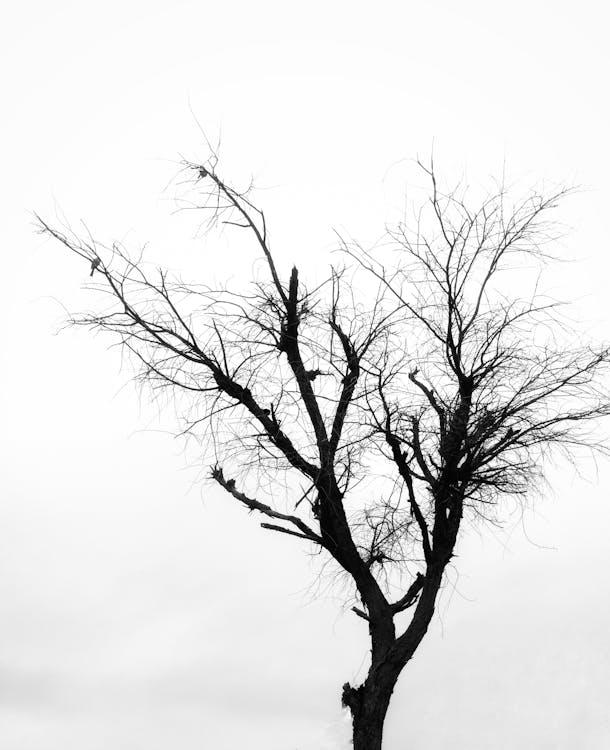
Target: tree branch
x=252, y=504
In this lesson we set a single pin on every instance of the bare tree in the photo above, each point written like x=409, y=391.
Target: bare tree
x=412, y=367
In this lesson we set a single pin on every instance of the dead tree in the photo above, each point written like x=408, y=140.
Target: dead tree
x=425, y=372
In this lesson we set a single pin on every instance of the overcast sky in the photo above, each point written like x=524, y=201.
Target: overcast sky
x=138, y=607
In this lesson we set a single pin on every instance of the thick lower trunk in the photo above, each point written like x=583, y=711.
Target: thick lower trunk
x=368, y=734
x=369, y=702
x=369, y=705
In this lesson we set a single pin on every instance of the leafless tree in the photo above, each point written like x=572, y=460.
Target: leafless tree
x=409, y=364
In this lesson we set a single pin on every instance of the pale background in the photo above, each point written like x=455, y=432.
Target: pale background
x=142, y=610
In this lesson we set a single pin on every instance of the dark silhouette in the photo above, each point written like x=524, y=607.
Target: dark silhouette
x=435, y=372
x=94, y=264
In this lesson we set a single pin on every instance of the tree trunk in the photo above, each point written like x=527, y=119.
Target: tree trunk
x=369, y=704
x=368, y=733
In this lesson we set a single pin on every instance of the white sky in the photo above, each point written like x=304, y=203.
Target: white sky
x=140, y=610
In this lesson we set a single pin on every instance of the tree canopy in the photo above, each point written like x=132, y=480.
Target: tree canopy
x=420, y=384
